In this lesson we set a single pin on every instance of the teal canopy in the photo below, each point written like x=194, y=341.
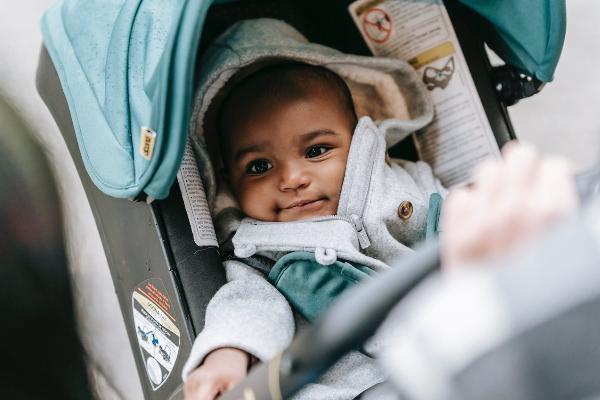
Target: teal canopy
x=125, y=65
x=128, y=65
x=528, y=34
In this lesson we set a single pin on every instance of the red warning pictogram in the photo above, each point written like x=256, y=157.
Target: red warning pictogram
x=377, y=25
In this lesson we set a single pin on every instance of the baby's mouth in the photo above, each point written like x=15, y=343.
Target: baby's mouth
x=305, y=204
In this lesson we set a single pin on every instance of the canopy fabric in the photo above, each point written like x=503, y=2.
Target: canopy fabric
x=125, y=65
x=528, y=34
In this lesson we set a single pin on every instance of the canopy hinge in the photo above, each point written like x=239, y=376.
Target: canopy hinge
x=513, y=85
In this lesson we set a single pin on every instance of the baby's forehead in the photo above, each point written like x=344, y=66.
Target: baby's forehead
x=269, y=87
x=281, y=84
x=295, y=116
x=253, y=108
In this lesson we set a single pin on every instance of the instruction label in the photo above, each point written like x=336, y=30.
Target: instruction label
x=421, y=33
x=194, y=199
x=157, y=335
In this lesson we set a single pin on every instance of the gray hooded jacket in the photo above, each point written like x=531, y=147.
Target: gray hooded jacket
x=381, y=213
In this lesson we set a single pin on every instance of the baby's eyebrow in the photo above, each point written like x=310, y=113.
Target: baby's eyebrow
x=308, y=136
x=245, y=150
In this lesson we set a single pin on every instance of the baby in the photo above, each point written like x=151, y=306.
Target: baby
x=308, y=176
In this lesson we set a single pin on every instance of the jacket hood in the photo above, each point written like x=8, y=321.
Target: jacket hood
x=387, y=90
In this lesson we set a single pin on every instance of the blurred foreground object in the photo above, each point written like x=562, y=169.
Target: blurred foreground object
x=528, y=328
x=41, y=355
x=511, y=201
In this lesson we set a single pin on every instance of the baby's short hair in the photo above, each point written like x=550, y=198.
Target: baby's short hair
x=285, y=82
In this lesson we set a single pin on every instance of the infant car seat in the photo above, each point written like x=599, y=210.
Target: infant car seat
x=162, y=277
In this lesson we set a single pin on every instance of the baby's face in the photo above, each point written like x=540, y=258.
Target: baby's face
x=287, y=161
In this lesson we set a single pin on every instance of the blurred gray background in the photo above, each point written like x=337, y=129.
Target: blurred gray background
x=564, y=119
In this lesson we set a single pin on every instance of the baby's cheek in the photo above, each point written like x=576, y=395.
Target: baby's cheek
x=334, y=176
x=256, y=203
x=332, y=209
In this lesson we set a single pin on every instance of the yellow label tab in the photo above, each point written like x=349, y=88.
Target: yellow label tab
x=443, y=50
x=147, y=140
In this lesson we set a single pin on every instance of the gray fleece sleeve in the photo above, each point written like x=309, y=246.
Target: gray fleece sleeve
x=247, y=313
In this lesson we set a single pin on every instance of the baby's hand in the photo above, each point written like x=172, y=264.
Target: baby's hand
x=221, y=370
x=509, y=202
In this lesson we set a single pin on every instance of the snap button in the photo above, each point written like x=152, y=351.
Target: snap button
x=244, y=250
x=405, y=210
x=325, y=256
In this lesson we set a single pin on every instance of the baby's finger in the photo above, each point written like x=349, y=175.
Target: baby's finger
x=199, y=386
x=205, y=391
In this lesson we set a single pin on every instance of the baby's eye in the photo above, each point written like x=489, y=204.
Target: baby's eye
x=316, y=151
x=258, y=167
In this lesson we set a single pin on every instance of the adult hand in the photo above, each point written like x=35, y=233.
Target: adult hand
x=509, y=202
x=221, y=370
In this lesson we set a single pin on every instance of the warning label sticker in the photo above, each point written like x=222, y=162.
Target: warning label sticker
x=157, y=335
x=377, y=25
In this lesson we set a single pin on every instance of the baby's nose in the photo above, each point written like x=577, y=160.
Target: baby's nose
x=293, y=177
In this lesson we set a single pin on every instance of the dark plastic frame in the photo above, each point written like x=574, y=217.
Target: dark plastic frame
x=143, y=242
